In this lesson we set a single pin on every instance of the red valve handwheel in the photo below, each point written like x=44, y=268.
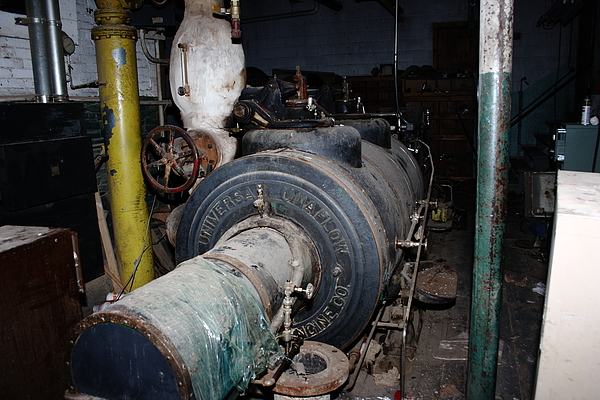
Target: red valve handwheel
x=170, y=160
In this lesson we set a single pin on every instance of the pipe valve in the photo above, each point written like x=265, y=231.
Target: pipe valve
x=233, y=14
x=409, y=243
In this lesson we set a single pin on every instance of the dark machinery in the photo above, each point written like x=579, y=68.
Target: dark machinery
x=303, y=237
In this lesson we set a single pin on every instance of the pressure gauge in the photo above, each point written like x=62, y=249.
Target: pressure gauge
x=68, y=44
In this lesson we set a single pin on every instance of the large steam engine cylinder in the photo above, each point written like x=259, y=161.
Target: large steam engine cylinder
x=319, y=208
x=297, y=239
x=348, y=199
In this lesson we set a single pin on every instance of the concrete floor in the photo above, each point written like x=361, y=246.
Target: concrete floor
x=439, y=367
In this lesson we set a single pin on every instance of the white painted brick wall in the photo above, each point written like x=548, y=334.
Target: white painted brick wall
x=78, y=19
x=361, y=37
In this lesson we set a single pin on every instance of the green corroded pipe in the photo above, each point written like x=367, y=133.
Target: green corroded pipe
x=194, y=333
x=495, y=70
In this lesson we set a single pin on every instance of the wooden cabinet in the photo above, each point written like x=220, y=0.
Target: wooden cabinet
x=40, y=306
x=452, y=127
x=375, y=92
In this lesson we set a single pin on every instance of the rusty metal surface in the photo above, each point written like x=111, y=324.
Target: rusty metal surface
x=324, y=369
x=492, y=187
x=301, y=246
x=436, y=283
x=208, y=151
x=167, y=152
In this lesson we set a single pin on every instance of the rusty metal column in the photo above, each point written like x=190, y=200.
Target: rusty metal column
x=120, y=107
x=495, y=71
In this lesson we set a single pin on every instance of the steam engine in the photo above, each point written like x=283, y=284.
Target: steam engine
x=300, y=238
x=292, y=246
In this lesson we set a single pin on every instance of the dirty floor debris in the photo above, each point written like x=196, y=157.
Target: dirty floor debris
x=438, y=368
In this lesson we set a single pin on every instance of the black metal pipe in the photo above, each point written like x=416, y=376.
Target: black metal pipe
x=36, y=24
x=293, y=14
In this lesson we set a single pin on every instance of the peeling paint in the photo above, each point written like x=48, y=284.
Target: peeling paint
x=492, y=186
x=119, y=55
x=109, y=121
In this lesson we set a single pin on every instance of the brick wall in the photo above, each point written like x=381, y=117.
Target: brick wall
x=16, y=76
x=361, y=36
x=350, y=42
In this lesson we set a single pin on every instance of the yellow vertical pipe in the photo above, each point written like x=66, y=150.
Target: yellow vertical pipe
x=119, y=102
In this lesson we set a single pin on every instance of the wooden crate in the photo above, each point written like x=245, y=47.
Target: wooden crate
x=40, y=306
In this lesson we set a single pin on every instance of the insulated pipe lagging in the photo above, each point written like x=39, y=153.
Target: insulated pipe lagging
x=264, y=258
x=200, y=331
x=195, y=333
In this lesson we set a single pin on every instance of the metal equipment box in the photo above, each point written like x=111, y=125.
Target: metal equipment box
x=44, y=171
x=47, y=175
x=577, y=148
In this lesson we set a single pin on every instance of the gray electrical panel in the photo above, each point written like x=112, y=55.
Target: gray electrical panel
x=577, y=148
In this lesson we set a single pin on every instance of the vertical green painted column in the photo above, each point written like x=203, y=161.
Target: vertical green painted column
x=495, y=71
